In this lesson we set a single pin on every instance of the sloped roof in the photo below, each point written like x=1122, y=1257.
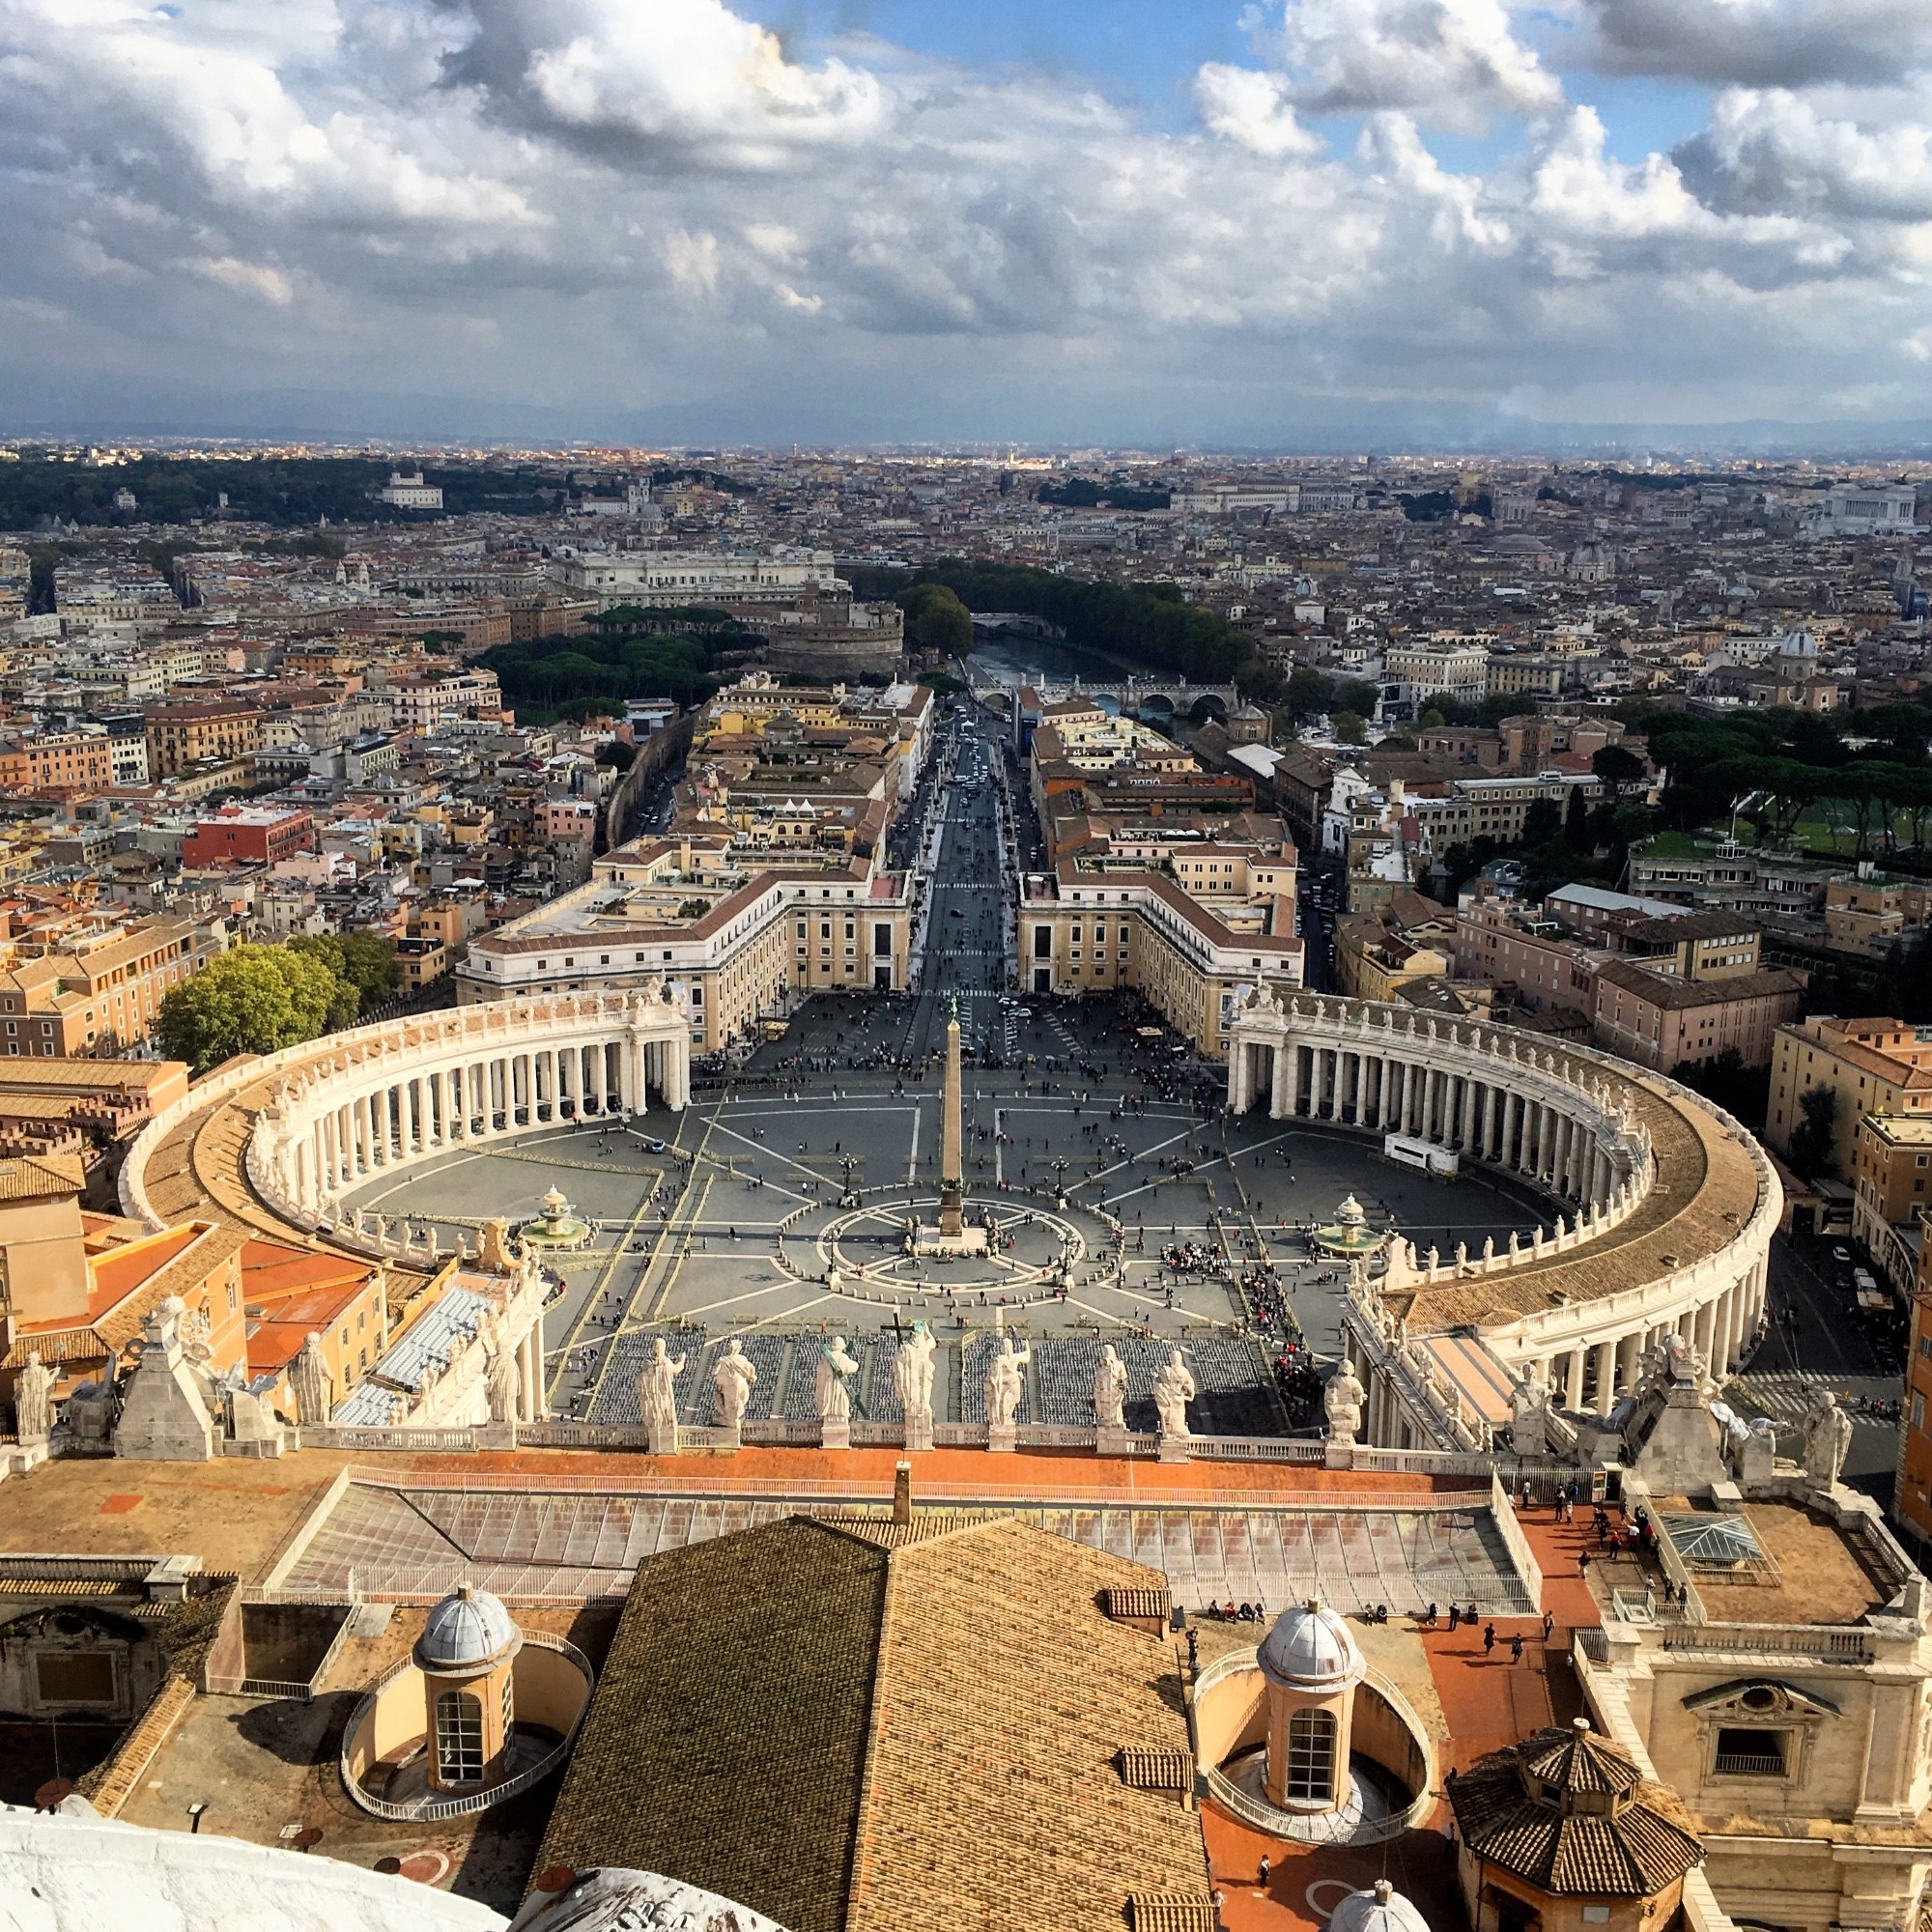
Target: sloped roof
x=1569, y=1813
x=853, y=1726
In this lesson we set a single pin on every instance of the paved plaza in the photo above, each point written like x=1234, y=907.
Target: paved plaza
x=736, y=1225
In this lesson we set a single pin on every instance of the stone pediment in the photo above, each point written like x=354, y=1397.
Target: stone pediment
x=1755, y=1699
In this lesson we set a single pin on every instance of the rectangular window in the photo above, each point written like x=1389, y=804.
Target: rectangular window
x=1751, y=1753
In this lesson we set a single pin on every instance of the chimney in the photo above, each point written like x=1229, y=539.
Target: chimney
x=903, y=1493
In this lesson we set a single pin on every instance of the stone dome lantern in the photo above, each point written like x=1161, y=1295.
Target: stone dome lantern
x=1379, y=1909
x=466, y=1653
x=1311, y=1666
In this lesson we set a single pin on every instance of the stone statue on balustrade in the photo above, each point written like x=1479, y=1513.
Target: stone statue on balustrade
x=1110, y=1391
x=657, y=1397
x=1529, y=1412
x=1004, y=1386
x=1173, y=1390
x=912, y=1381
x=732, y=1375
x=33, y=1400
x=502, y=1381
x=1828, y=1437
x=1342, y=1403
x=311, y=1380
x=828, y=1387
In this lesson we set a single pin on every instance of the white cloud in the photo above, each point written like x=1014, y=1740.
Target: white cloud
x=692, y=261
x=1248, y=107
x=1449, y=63
x=607, y=205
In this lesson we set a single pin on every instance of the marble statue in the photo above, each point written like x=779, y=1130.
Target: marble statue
x=1110, y=1390
x=732, y=1375
x=311, y=1376
x=1828, y=1436
x=501, y=1380
x=1342, y=1403
x=1173, y=1390
x=1003, y=1383
x=1529, y=1412
x=657, y=1396
x=912, y=1375
x=829, y=1381
x=33, y=1400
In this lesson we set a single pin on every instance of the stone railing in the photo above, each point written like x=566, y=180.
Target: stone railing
x=427, y=1810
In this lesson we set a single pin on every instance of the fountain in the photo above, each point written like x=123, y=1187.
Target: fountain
x=556, y=1228
x=1348, y=1235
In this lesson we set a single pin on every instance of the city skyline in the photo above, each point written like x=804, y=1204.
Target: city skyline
x=1308, y=225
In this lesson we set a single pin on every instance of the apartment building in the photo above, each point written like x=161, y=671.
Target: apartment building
x=1876, y=1065
x=252, y=834
x=97, y=992
x=66, y=760
x=183, y=735
x=1660, y=1019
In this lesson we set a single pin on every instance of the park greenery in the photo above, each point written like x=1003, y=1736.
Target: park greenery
x=1798, y=776
x=626, y=652
x=1084, y=493
x=1147, y=625
x=258, y=999
x=260, y=489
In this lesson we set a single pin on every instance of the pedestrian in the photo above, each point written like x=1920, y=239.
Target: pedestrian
x=1489, y=1638
x=1515, y=1647
x=1455, y=1615
x=1267, y=1867
x=1548, y=1624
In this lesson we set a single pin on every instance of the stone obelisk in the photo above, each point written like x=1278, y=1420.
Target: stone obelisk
x=951, y=1148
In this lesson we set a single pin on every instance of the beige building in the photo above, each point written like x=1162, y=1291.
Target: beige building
x=1658, y=1020
x=1876, y=1065
x=740, y=934
x=1089, y=926
x=181, y=735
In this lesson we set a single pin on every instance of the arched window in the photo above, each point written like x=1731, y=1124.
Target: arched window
x=459, y=1738
x=1311, y=1755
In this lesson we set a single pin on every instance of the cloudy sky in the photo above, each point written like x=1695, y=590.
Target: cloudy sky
x=1302, y=221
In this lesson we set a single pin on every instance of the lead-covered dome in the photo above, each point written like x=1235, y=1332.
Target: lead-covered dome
x=1310, y=1649
x=469, y=1630
x=1379, y=1909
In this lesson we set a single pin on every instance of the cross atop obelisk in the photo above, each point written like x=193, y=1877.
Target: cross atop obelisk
x=952, y=1138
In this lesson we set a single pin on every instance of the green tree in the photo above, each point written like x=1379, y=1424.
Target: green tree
x=1617, y=768
x=254, y=999
x=937, y=623
x=1433, y=718
x=1577, y=821
x=361, y=962
x=1812, y=1137
x=1541, y=823
x=1349, y=728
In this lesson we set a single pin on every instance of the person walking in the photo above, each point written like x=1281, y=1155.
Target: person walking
x=1548, y=1624
x=1489, y=1638
x=1515, y=1647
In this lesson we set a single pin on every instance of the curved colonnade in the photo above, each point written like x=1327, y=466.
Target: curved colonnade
x=1669, y=1203
x=278, y=1142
